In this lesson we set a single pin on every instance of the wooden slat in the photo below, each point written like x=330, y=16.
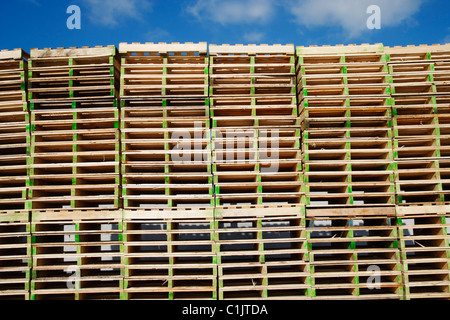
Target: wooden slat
x=288, y=49
x=163, y=47
x=73, y=52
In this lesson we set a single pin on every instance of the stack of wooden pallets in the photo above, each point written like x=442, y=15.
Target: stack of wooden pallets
x=355, y=257
x=253, y=172
x=262, y=253
x=74, y=167
x=74, y=121
x=169, y=255
x=420, y=123
x=76, y=255
x=256, y=130
x=15, y=255
x=421, y=133
x=166, y=172
x=347, y=127
x=14, y=125
x=165, y=126
x=424, y=242
x=260, y=217
x=15, y=239
x=345, y=109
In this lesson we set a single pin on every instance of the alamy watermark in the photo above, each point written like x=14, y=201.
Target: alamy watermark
x=230, y=146
x=374, y=20
x=73, y=281
x=374, y=281
x=74, y=20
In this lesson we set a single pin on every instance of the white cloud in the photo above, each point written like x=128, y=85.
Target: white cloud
x=35, y=2
x=157, y=35
x=446, y=40
x=107, y=13
x=233, y=11
x=254, y=37
x=350, y=15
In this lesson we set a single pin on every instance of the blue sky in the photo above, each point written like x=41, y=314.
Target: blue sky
x=42, y=23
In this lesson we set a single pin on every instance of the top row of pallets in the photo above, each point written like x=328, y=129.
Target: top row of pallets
x=193, y=70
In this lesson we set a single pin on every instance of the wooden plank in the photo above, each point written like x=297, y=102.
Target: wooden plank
x=163, y=47
x=423, y=209
x=75, y=215
x=250, y=49
x=411, y=49
x=168, y=213
x=15, y=54
x=73, y=52
x=340, y=49
x=352, y=211
x=259, y=211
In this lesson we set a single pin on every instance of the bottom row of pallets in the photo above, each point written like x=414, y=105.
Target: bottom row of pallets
x=241, y=253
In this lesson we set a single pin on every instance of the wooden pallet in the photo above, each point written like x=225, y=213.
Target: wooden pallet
x=76, y=253
x=345, y=71
x=169, y=254
x=419, y=127
x=75, y=148
x=418, y=53
x=342, y=50
x=245, y=145
x=251, y=49
x=166, y=152
x=14, y=130
x=346, y=252
x=191, y=191
x=414, y=89
x=357, y=170
x=259, y=112
x=242, y=188
x=345, y=85
x=419, y=182
x=164, y=70
x=256, y=136
x=257, y=166
x=336, y=69
x=349, y=184
x=144, y=111
x=262, y=253
x=166, y=166
x=13, y=183
x=347, y=142
x=352, y=114
x=347, y=91
x=419, y=71
x=74, y=74
x=237, y=71
x=424, y=242
x=15, y=255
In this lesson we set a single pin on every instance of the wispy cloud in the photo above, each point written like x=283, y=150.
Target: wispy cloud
x=110, y=13
x=350, y=16
x=233, y=11
x=254, y=37
x=157, y=35
x=446, y=39
x=35, y=2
